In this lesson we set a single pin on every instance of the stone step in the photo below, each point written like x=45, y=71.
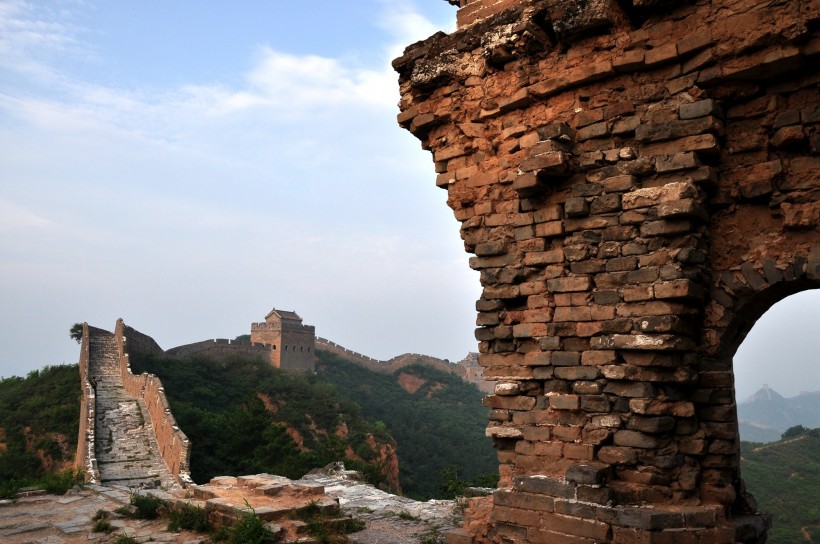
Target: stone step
x=125, y=443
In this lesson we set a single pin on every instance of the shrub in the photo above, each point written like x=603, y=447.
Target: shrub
x=125, y=539
x=58, y=483
x=250, y=530
x=146, y=506
x=188, y=518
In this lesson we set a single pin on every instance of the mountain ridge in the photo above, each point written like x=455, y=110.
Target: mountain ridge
x=766, y=414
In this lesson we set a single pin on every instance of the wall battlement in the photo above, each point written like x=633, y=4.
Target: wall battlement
x=637, y=182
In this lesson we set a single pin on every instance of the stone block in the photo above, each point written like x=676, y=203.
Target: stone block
x=701, y=108
x=489, y=249
x=650, y=519
x=543, y=485
x=550, y=163
x=788, y=137
x=630, y=389
x=658, y=55
x=626, y=125
x=666, y=227
x=647, y=406
x=652, y=425
x=588, y=474
x=629, y=61
x=678, y=289
x=564, y=402
x=529, y=330
x=509, y=403
x=526, y=501
x=758, y=180
x=635, y=439
x=544, y=257
x=678, y=161
x=597, y=130
x=503, y=431
x=705, y=144
x=671, y=130
x=618, y=455
x=569, y=284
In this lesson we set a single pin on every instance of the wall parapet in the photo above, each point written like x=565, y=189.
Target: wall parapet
x=85, y=459
x=174, y=446
x=220, y=347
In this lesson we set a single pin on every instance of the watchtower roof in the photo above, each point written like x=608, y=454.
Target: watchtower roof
x=283, y=315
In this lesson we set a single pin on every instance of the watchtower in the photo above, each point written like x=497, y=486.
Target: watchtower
x=293, y=345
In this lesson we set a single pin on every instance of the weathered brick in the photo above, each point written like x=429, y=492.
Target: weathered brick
x=509, y=403
x=569, y=284
x=635, y=439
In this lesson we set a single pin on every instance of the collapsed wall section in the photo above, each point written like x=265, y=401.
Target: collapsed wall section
x=638, y=182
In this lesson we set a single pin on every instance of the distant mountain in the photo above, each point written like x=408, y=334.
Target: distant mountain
x=764, y=416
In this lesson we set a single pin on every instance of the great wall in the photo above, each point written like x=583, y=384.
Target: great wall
x=128, y=434
x=638, y=183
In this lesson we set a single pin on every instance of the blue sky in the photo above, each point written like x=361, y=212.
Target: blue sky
x=187, y=166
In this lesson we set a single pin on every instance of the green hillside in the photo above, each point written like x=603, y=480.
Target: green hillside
x=39, y=422
x=439, y=428
x=244, y=416
x=784, y=477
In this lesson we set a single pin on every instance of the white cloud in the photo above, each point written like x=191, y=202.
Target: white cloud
x=15, y=218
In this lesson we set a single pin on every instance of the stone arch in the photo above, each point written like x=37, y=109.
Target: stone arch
x=637, y=183
x=752, y=306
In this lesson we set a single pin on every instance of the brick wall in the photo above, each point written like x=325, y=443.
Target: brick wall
x=220, y=348
x=174, y=446
x=473, y=11
x=637, y=182
x=85, y=459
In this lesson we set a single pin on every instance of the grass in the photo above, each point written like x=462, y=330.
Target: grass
x=147, y=506
x=407, y=516
x=101, y=522
x=250, y=529
x=55, y=483
x=431, y=537
x=125, y=539
x=328, y=530
x=143, y=507
x=188, y=518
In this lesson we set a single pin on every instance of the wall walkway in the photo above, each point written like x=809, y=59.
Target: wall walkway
x=126, y=426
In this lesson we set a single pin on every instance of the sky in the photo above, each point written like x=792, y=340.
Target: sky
x=188, y=166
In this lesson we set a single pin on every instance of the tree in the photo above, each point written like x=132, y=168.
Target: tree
x=791, y=432
x=76, y=332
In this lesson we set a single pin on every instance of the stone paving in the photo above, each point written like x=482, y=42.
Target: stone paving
x=49, y=519
x=126, y=448
x=390, y=519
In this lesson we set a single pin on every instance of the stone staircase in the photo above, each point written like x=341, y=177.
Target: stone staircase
x=126, y=447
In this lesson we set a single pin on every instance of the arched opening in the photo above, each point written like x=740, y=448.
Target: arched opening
x=777, y=392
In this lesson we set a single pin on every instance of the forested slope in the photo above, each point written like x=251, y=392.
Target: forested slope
x=784, y=477
x=244, y=416
x=39, y=422
x=437, y=419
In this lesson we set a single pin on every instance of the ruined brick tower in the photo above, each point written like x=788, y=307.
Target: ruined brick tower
x=292, y=344
x=638, y=181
